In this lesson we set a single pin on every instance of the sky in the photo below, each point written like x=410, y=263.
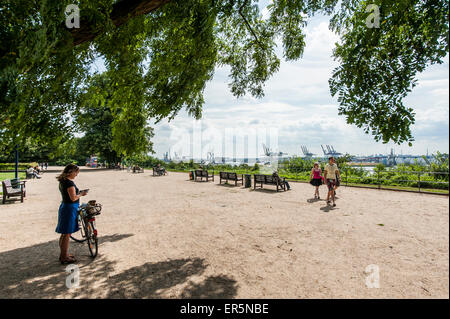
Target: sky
x=298, y=109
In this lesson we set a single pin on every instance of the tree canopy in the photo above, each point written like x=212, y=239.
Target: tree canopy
x=95, y=120
x=159, y=55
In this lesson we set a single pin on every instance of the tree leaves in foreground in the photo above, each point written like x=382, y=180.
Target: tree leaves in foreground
x=158, y=62
x=378, y=66
x=95, y=119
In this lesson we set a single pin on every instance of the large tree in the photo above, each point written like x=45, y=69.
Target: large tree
x=159, y=55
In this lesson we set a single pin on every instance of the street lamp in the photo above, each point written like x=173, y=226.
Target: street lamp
x=17, y=161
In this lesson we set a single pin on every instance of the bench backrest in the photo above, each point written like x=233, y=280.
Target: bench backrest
x=232, y=175
x=267, y=179
x=260, y=178
x=201, y=173
x=270, y=179
x=7, y=183
x=228, y=175
x=223, y=175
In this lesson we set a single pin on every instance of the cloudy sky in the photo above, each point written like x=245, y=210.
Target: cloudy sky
x=300, y=111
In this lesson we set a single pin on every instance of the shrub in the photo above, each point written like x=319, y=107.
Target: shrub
x=12, y=166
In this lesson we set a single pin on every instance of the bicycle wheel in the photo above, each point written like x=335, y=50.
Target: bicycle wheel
x=92, y=241
x=81, y=237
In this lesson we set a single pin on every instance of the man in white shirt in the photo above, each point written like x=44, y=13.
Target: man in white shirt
x=32, y=172
x=331, y=174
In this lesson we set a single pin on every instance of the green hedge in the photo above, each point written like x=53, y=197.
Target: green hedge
x=12, y=166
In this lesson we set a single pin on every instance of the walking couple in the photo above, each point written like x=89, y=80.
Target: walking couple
x=332, y=178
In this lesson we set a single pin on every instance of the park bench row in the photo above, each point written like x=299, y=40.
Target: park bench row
x=156, y=171
x=258, y=179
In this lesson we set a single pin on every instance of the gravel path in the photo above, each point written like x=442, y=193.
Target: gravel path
x=168, y=237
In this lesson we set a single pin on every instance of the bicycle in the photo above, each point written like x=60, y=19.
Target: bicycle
x=86, y=222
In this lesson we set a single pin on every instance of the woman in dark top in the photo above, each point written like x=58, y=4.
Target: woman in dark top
x=67, y=214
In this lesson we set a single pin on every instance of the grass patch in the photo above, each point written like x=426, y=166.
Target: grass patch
x=4, y=176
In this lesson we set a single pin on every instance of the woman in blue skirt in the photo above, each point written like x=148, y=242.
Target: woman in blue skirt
x=67, y=214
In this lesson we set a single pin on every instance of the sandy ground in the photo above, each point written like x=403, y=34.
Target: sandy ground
x=168, y=237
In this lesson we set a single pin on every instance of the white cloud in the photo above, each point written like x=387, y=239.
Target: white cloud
x=298, y=103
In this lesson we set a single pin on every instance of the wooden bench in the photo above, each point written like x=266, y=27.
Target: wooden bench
x=203, y=174
x=138, y=170
x=9, y=191
x=269, y=180
x=228, y=176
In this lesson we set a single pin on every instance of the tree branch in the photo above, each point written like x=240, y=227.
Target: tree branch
x=249, y=27
x=123, y=11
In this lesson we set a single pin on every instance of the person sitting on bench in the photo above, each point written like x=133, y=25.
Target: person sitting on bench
x=32, y=172
x=161, y=170
x=280, y=181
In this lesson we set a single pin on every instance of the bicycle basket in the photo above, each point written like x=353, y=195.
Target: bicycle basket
x=93, y=209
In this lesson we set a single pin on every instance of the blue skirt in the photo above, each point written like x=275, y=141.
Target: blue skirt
x=67, y=218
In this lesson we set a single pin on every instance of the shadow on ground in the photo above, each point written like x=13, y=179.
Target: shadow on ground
x=231, y=185
x=328, y=208
x=34, y=272
x=267, y=190
x=151, y=280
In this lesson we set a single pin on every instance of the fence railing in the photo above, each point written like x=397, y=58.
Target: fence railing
x=420, y=181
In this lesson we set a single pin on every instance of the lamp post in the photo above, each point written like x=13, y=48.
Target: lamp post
x=17, y=161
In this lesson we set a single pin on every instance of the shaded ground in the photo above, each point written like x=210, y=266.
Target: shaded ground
x=167, y=237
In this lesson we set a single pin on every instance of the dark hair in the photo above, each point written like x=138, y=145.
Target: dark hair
x=69, y=169
x=331, y=157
